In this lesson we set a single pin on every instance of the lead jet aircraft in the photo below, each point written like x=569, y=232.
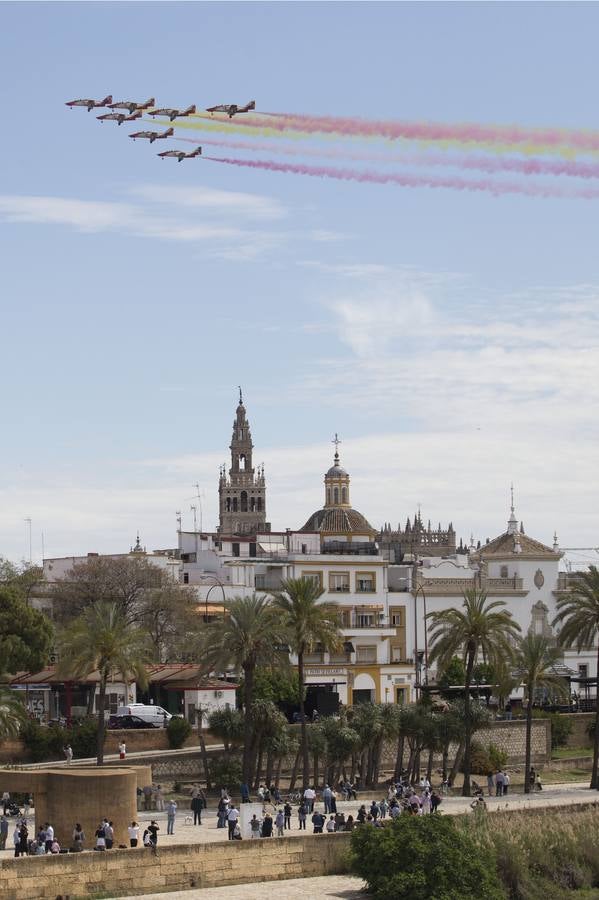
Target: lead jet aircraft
x=132, y=106
x=232, y=109
x=91, y=104
x=180, y=155
x=152, y=135
x=120, y=117
x=173, y=113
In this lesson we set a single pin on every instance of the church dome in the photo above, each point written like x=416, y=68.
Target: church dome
x=336, y=470
x=338, y=520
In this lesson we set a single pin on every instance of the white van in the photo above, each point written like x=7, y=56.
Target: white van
x=155, y=715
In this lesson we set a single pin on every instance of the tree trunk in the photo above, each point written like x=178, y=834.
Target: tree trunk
x=101, y=721
x=293, y=777
x=445, y=758
x=401, y=743
x=595, y=772
x=304, y=733
x=205, y=760
x=248, y=692
x=270, y=762
x=315, y=771
x=278, y=771
x=429, y=766
x=527, y=784
x=456, y=763
x=259, y=767
x=467, y=723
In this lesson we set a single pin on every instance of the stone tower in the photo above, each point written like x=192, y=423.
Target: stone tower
x=242, y=493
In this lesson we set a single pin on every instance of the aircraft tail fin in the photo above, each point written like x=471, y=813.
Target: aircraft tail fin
x=107, y=100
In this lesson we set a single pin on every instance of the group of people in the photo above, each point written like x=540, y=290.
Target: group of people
x=498, y=784
x=43, y=842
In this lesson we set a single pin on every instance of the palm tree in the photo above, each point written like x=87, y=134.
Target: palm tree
x=535, y=659
x=12, y=713
x=578, y=615
x=480, y=627
x=305, y=623
x=243, y=639
x=102, y=640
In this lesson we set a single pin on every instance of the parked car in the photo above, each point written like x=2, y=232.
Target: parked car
x=128, y=722
x=155, y=715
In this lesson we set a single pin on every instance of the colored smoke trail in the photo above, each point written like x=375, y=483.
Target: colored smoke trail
x=466, y=133
x=490, y=165
x=414, y=181
x=209, y=124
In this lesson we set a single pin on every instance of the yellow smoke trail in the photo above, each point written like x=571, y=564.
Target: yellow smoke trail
x=209, y=125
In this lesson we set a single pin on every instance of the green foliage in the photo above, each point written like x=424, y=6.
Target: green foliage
x=47, y=743
x=423, y=858
x=225, y=771
x=177, y=732
x=561, y=727
x=227, y=724
x=452, y=675
x=276, y=685
x=25, y=633
x=498, y=757
x=480, y=762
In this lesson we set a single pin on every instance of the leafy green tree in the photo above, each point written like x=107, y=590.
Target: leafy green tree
x=12, y=713
x=535, y=661
x=177, y=732
x=243, y=639
x=228, y=725
x=280, y=686
x=22, y=577
x=578, y=619
x=480, y=627
x=305, y=623
x=453, y=675
x=423, y=858
x=102, y=640
x=25, y=633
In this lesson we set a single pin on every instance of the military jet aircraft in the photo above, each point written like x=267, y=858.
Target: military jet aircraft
x=91, y=104
x=180, y=155
x=152, y=135
x=232, y=109
x=120, y=117
x=132, y=106
x=173, y=114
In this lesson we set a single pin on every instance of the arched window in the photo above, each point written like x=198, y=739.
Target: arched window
x=252, y=504
x=228, y=504
x=344, y=495
x=242, y=462
x=234, y=504
x=503, y=572
x=259, y=504
x=244, y=501
x=336, y=495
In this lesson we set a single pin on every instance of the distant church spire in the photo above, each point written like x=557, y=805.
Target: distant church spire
x=512, y=524
x=242, y=491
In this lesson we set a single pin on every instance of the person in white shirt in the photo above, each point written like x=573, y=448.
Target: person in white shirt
x=122, y=750
x=133, y=831
x=232, y=817
x=310, y=797
x=330, y=826
x=49, y=836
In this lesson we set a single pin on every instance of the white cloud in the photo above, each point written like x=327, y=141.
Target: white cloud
x=235, y=203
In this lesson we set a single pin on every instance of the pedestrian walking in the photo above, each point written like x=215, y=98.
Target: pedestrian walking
x=16, y=839
x=133, y=832
x=287, y=814
x=279, y=823
x=49, y=836
x=122, y=750
x=171, y=812
x=490, y=784
x=326, y=797
x=318, y=821
x=506, y=782
x=78, y=838
x=5, y=801
x=232, y=817
x=100, y=838
x=108, y=834
x=153, y=829
x=302, y=815
x=267, y=826
x=254, y=827
x=159, y=798
x=68, y=753
x=3, y=832
x=310, y=797
x=196, y=808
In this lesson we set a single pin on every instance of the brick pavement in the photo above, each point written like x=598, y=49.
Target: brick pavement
x=333, y=887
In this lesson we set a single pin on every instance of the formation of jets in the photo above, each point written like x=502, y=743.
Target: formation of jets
x=231, y=109
x=136, y=110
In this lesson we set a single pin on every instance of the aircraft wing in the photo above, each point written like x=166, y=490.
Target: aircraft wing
x=221, y=108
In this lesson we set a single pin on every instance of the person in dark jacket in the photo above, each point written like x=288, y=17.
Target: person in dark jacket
x=196, y=807
x=267, y=826
x=318, y=821
x=287, y=813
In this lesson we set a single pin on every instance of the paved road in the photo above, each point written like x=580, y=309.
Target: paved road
x=334, y=887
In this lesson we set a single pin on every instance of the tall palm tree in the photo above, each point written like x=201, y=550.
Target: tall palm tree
x=246, y=637
x=102, y=640
x=12, y=713
x=534, y=662
x=305, y=623
x=479, y=627
x=578, y=615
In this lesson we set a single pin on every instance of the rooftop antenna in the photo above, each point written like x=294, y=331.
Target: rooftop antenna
x=178, y=515
x=28, y=523
x=199, y=499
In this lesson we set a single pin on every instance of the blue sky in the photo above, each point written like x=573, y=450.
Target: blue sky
x=451, y=339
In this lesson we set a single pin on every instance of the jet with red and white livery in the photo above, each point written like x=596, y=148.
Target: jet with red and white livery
x=180, y=155
x=231, y=109
x=153, y=135
x=132, y=106
x=91, y=104
x=119, y=118
x=173, y=114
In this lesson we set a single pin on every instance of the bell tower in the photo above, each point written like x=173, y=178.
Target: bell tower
x=242, y=492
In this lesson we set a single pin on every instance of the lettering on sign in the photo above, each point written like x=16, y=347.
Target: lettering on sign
x=326, y=671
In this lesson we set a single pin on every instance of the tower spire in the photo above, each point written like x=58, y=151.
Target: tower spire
x=240, y=395
x=512, y=524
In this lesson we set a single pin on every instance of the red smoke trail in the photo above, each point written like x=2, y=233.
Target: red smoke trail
x=429, y=181
x=467, y=133
x=491, y=165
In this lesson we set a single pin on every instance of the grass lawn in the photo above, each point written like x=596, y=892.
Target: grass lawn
x=571, y=752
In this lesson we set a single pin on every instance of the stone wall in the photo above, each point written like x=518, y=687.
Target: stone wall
x=174, y=868
x=580, y=722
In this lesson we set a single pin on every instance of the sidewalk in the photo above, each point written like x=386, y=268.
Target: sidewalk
x=333, y=887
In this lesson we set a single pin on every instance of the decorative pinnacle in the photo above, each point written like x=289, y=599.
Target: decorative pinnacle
x=240, y=395
x=336, y=441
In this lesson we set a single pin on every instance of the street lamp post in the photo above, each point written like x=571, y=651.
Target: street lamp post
x=420, y=590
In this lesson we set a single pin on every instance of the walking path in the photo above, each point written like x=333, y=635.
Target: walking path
x=333, y=887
